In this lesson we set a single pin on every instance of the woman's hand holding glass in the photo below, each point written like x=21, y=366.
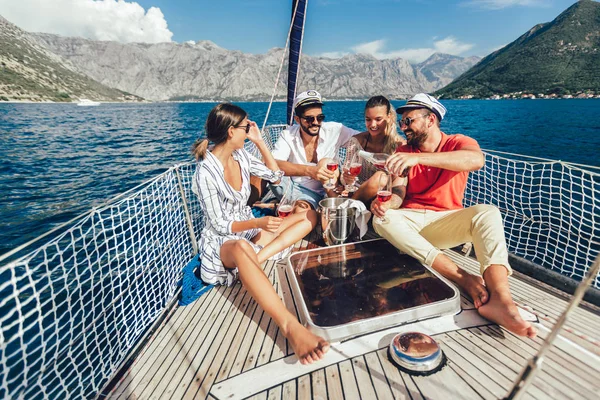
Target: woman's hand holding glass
x=269, y=223
x=352, y=168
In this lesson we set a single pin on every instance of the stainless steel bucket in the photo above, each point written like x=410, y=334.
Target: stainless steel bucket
x=337, y=223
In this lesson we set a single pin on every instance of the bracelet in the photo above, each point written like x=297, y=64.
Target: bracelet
x=278, y=175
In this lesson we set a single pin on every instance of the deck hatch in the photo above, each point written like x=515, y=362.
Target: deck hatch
x=357, y=288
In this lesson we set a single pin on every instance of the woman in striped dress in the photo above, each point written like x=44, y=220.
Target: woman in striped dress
x=233, y=243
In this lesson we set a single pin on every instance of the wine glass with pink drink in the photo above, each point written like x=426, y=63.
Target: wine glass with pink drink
x=384, y=193
x=352, y=168
x=332, y=165
x=287, y=203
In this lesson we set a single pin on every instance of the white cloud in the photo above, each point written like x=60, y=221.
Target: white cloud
x=373, y=48
x=450, y=45
x=377, y=49
x=500, y=4
x=116, y=20
x=411, y=55
x=333, y=54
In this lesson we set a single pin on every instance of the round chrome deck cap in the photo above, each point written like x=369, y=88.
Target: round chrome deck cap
x=416, y=353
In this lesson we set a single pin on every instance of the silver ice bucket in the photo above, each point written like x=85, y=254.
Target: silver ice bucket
x=337, y=223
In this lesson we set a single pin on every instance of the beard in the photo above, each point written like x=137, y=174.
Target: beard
x=415, y=139
x=308, y=132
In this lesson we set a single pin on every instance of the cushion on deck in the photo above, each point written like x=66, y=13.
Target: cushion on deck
x=192, y=286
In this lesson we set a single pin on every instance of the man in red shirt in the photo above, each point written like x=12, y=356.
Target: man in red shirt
x=426, y=214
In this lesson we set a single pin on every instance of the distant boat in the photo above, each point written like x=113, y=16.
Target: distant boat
x=88, y=103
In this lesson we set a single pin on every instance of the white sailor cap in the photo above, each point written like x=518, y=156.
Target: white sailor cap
x=423, y=100
x=308, y=97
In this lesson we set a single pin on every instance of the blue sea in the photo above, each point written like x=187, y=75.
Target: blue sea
x=59, y=160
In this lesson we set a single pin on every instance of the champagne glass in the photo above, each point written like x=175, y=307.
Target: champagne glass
x=332, y=165
x=352, y=168
x=287, y=203
x=384, y=193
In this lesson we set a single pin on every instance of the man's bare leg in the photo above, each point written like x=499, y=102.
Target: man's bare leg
x=500, y=308
x=493, y=301
x=302, y=206
x=472, y=284
x=307, y=346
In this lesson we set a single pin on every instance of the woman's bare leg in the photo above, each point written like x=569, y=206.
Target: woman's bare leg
x=307, y=346
x=292, y=229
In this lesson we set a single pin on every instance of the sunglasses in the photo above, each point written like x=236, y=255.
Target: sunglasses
x=407, y=121
x=245, y=127
x=310, y=119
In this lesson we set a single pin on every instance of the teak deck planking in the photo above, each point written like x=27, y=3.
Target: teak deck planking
x=225, y=334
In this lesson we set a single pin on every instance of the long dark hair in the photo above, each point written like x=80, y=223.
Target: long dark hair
x=222, y=117
x=392, y=138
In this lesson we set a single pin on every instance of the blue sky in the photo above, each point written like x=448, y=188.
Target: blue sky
x=338, y=26
x=411, y=29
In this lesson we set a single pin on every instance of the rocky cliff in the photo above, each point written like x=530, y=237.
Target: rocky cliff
x=204, y=71
x=441, y=69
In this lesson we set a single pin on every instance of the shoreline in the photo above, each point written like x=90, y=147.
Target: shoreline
x=275, y=101
x=70, y=102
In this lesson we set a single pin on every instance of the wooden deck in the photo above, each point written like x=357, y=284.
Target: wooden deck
x=223, y=347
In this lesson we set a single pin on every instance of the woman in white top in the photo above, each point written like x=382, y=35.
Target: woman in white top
x=381, y=136
x=233, y=243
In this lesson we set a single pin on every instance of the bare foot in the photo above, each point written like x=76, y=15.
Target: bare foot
x=503, y=311
x=475, y=288
x=308, y=347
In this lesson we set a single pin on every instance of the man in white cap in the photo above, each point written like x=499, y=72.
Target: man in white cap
x=426, y=213
x=303, y=150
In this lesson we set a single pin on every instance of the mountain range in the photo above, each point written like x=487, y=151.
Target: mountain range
x=65, y=68
x=29, y=71
x=203, y=71
x=559, y=57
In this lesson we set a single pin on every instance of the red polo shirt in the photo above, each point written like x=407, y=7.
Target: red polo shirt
x=433, y=188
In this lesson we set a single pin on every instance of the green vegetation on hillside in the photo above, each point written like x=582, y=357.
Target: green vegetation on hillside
x=28, y=72
x=560, y=57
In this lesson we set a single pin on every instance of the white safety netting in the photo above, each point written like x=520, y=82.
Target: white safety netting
x=551, y=210
x=270, y=135
x=72, y=308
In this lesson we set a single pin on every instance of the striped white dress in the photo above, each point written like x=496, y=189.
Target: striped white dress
x=221, y=206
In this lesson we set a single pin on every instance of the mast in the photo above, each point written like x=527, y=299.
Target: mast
x=296, y=35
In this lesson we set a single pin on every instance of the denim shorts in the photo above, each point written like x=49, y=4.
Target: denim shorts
x=299, y=192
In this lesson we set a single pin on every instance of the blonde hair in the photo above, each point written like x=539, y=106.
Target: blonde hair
x=392, y=138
